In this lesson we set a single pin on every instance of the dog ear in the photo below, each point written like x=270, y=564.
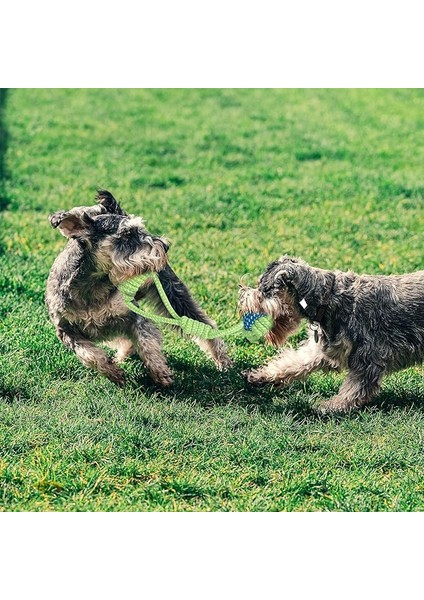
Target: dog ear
x=106, y=199
x=72, y=225
x=279, y=274
x=286, y=270
x=283, y=277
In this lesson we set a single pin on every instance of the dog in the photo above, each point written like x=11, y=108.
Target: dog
x=369, y=325
x=106, y=246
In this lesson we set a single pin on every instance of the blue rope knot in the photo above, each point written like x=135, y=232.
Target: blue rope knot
x=250, y=318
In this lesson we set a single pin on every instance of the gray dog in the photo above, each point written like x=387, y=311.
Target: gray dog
x=107, y=246
x=369, y=325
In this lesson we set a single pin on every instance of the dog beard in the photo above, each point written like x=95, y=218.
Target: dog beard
x=285, y=317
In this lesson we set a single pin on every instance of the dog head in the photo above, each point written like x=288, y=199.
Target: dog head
x=119, y=243
x=276, y=297
x=288, y=291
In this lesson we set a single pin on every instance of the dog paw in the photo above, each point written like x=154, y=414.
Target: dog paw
x=163, y=378
x=116, y=375
x=223, y=364
x=333, y=407
x=254, y=377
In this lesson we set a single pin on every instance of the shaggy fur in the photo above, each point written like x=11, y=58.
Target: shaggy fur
x=369, y=325
x=107, y=246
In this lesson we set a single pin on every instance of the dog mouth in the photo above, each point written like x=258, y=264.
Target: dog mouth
x=278, y=335
x=254, y=300
x=150, y=256
x=249, y=300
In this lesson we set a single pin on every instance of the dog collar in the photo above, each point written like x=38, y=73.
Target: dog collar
x=315, y=321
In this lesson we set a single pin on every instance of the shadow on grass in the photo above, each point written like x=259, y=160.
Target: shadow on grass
x=9, y=395
x=3, y=147
x=388, y=400
x=208, y=387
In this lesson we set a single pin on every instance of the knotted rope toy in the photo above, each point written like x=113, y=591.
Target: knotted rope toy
x=253, y=325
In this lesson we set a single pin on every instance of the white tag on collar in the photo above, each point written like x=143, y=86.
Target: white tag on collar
x=303, y=303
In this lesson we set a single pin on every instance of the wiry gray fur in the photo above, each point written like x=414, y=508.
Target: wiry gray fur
x=107, y=246
x=372, y=325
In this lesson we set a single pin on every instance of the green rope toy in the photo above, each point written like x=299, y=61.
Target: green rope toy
x=253, y=325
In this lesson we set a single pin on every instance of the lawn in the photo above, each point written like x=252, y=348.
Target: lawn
x=234, y=178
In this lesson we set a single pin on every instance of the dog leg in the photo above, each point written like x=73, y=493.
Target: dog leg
x=148, y=344
x=216, y=348
x=361, y=384
x=92, y=356
x=289, y=365
x=217, y=351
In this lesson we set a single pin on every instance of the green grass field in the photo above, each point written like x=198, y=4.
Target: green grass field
x=234, y=178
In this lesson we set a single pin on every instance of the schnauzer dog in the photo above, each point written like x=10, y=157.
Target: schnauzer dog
x=107, y=246
x=369, y=325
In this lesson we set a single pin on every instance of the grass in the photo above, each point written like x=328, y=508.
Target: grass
x=234, y=178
